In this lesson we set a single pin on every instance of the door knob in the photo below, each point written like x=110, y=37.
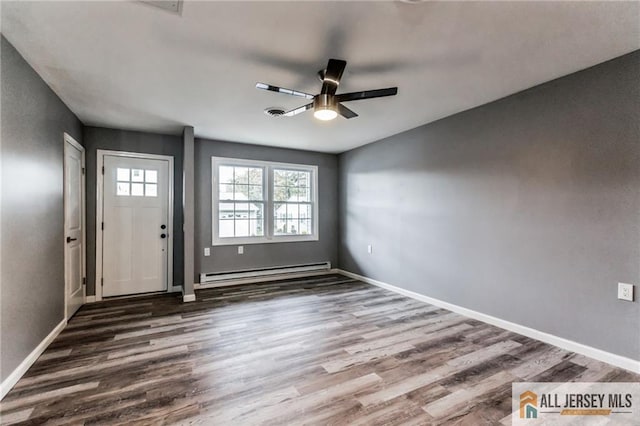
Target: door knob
x=163, y=226
x=69, y=239
x=163, y=235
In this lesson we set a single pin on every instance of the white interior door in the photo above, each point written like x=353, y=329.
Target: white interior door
x=74, y=226
x=136, y=225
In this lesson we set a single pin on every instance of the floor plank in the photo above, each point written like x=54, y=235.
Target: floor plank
x=319, y=350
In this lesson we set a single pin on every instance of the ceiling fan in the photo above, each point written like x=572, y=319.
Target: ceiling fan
x=327, y=105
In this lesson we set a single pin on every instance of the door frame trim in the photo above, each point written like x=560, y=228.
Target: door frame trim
x=83, y=205
x=101, y=153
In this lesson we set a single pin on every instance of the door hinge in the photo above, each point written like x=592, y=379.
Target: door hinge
x=102, y=226
x=102, y=282
x=102, y=169
x=83, y=170
x=84, y=280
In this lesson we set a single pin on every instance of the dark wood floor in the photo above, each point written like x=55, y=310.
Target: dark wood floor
x=325, y=350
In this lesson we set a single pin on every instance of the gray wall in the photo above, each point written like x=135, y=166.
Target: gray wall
x=32, y=215
x=226, y=258
x=527, y=209
x=149, y=143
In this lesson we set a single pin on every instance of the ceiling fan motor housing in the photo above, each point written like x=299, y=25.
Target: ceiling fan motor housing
x=325, y=101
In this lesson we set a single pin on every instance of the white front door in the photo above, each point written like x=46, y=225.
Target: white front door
x=136, y=225
x=73, y=226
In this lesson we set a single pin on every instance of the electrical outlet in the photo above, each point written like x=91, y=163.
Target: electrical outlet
x=369, y=249
x=240, y=249
x=625, y=292
x=207, y=251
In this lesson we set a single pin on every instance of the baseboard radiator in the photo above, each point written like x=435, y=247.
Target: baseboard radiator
x=259, y=273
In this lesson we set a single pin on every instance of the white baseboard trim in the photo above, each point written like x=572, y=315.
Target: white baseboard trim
x=569, y=345
x=189, y=298
x=239, y=281
x=13, y=378
x=89, y=299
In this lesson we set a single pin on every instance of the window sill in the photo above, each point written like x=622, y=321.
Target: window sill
x=265, y=240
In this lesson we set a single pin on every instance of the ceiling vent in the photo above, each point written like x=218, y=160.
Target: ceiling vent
x=275, y=111
x=168, y=5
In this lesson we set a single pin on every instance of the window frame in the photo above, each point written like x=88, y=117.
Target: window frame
x=268, y=201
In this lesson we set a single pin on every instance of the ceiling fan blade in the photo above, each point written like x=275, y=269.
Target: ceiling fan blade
x=332, y=76
x=366, y=94
x=346, y=112
x=298, y=110
x=265, y=86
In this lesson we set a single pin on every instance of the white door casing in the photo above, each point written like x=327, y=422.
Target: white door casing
x=136, y=203
x=74, y=225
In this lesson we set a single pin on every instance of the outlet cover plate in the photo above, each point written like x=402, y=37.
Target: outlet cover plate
x=625, y=292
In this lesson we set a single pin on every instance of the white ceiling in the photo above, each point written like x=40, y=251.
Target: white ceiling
x=130, y=65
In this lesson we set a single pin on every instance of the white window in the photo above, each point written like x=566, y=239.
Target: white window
x=136, y=182
x=263, y=202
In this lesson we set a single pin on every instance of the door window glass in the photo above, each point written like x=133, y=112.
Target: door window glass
x=136, y=182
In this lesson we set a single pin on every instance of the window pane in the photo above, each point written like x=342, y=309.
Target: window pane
x=241, y=175
x=225, y=211
x=122, y=174
x=225, y=228
x=255, y=176
x=225, y=192
x=280, y=193
x=292, y=211
x=280, y=177
x=137, y=175
x=256, y=227
x=304, y=179
x=150, y=189
x=226, y=174
x=293, y=226
x=122, y=188
x=241, y=210
x=279, y=211
x=305, y=227
x=280, y=215
x=241, y=192
x=256, y=211
x=242, y=228
x=137, y=189
x=256, y=224
x=255, y=192
x=280, y=227
x=303, y=194
x=293, y=195
x=151, y=176
x=304, y=211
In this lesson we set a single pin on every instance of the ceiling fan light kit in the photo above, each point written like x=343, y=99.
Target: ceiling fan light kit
x=327, y=105
x=325, y=114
